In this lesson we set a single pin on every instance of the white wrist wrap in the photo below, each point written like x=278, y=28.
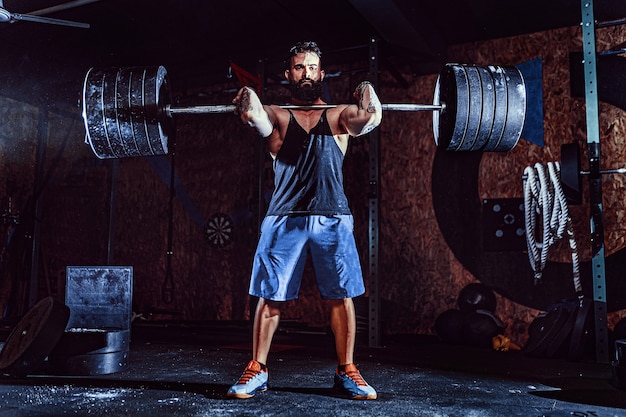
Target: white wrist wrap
x=374, y=107
x=264, y=126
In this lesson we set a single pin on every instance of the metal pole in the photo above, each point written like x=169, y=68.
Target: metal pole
x=114, y=168
x=260, y=156
x=374, y=161
x=42, y=134
x=595, y=182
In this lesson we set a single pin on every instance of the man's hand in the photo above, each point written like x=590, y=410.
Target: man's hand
x=368, y=101
x=251, y=111
x=366, y=98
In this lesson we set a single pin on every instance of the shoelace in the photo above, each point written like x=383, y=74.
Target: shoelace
x=247, y=375
x=356, y=377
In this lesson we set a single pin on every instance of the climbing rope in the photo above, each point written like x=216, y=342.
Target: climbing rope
x=545, y=208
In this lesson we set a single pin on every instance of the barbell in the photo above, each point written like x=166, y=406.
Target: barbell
x=128, y=112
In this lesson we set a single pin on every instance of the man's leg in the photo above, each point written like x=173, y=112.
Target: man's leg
x=343, y=324
x=347, y=377
x=266, y=321
x=254, y=377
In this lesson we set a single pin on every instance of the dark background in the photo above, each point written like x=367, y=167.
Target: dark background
x=196, y=39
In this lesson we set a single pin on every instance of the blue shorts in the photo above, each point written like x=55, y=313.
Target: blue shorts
x=282, y=250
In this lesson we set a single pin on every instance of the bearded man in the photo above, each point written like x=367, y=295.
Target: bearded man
x=308, y=215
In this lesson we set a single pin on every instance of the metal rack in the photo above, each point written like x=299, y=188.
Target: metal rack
x=595, y=182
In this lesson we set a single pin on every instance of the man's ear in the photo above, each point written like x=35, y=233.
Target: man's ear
x=322, y=73
x=287, y=74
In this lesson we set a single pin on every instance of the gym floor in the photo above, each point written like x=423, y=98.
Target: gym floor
x=185, y=370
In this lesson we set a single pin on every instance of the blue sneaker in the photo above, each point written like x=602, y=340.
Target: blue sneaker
x=352, y=383
x=253, y=380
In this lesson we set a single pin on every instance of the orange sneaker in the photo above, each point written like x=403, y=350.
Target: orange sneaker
x=253, y=380
x=352, y=383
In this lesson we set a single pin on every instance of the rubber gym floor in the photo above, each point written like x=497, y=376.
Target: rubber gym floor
x=185, y=370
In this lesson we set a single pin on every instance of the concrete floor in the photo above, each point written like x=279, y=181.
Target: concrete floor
x=181, y=370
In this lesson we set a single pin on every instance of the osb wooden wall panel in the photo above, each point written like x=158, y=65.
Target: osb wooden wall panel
x=564, y=121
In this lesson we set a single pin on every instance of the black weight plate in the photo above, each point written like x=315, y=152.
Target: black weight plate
x=123, y=114
x=543, y=330
x=444, y=121
x=90, y=364
x=166, y=123
x=109, y=109
x=516, y=109
x=436, y=114
x=562, y=334
x=76, y=341
x=138, y=113
x=135, y=116
x=463, y=106
x=500, y=109
x=93, y=114
x=571, y=181
x=474, y=102
x=582, y=329
x=488, y=94
x=34, y=337
x=154, y=79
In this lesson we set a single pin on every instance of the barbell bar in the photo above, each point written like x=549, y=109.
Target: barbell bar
x=229, y=108
x=127, y=111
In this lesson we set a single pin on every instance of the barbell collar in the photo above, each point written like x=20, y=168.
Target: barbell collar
x=229, y=108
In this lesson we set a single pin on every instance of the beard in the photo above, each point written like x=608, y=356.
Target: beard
x=306, y=93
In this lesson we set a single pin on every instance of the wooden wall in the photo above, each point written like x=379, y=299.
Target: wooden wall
x=421, y=269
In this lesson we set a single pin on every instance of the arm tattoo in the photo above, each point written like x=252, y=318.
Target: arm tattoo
x=374, y=105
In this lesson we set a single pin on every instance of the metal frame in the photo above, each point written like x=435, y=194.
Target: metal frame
x=595, y=182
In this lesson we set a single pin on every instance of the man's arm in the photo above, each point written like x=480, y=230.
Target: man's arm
x=252, y=112
x=366, y=115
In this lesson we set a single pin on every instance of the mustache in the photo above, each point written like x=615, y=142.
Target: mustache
x=306, y=80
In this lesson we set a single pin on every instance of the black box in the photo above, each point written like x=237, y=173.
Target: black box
x=99, y=296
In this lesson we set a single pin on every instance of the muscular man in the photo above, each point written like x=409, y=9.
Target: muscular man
x=308, y=215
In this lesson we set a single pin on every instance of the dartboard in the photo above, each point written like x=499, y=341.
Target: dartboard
x=218, y=230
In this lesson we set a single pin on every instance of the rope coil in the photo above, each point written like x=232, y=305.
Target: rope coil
x=545, y=206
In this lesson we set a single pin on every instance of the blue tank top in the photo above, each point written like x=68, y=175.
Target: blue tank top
x=308, y=177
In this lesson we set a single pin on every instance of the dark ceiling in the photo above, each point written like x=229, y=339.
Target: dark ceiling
x=196, y=39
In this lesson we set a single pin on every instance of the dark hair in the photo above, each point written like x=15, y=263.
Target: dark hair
x=303, y=46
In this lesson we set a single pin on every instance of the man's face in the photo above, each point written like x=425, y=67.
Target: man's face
x=305, y=77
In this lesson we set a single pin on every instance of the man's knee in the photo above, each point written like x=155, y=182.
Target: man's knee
x=271, y=308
